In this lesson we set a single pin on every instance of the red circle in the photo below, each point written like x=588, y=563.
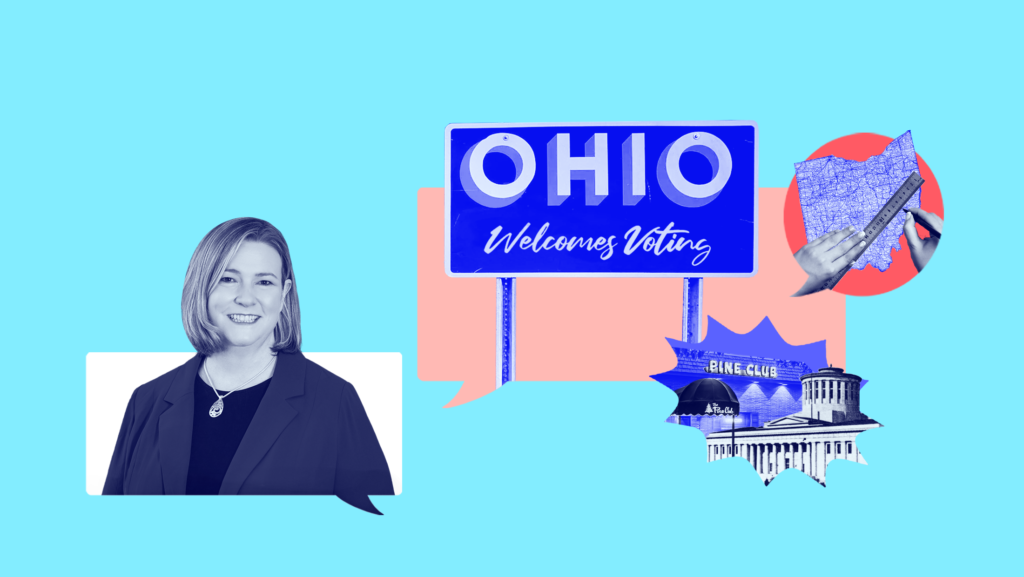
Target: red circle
x=869, y=281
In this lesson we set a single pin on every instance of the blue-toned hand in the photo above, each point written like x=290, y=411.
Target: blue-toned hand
x=921, y=249
x=826, y=255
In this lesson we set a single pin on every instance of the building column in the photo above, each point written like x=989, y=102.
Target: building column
x=814, y=460
x=822, y=461
x=810, y=458
x=819, y=461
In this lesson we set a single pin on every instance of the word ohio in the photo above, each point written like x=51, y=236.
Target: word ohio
x=661, y=193
x=592, y=167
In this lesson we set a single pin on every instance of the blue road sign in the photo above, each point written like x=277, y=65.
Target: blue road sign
x=659, y=199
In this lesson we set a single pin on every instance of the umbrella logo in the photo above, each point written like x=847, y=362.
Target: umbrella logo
x=708, y=410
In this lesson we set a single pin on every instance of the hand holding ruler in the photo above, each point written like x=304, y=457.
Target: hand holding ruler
x=880, y=221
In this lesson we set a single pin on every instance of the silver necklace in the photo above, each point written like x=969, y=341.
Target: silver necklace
x=218, y=406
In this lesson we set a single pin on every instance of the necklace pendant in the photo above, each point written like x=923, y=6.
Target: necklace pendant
x=217, y=408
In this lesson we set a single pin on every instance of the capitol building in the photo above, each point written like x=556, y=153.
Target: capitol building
x=825, y=429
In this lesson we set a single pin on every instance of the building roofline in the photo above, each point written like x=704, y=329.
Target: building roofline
x=832, y=375
x=798, y=429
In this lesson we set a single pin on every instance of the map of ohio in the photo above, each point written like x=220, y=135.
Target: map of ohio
x=835, y=193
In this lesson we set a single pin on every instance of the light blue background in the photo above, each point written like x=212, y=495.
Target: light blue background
x=128, y=131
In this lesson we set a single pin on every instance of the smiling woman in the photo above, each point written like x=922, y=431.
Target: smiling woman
x=289, y=427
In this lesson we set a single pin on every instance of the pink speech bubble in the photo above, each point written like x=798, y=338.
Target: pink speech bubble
x=593, y=329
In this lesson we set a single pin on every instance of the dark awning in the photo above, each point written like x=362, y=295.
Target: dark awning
x=707, y=397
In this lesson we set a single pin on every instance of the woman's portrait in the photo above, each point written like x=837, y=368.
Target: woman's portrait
x=248, y=414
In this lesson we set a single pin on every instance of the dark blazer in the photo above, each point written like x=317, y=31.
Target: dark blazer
x=309, y=436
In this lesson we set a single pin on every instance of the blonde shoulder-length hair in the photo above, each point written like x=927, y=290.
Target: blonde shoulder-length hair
x=205, y=269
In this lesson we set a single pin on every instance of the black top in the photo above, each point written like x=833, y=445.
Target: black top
x=309, y=436
x=215, y=439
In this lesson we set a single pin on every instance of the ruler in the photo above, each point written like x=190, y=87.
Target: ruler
x=881, y=220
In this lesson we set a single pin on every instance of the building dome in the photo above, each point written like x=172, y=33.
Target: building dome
x=831, y=395
x=830, y=372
